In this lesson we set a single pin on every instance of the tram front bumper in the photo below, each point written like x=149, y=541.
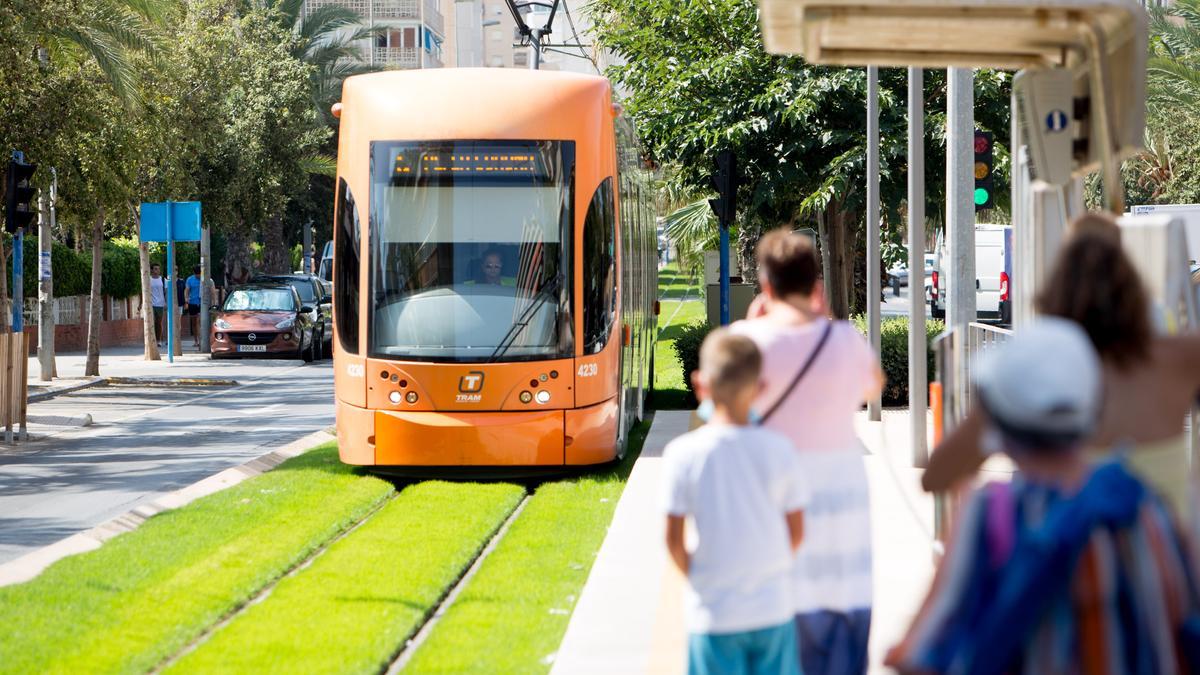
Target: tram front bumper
x=469, y=439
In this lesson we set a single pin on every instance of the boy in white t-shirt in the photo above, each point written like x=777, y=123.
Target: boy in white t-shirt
x=742, y=487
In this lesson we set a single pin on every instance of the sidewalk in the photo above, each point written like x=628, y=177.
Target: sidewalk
x=629, y=618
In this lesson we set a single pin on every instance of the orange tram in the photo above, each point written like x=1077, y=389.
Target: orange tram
x=494, y=273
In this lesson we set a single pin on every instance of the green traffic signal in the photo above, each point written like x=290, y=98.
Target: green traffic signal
x=981, y=196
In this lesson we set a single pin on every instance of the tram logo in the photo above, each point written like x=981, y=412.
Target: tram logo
x=471, y=383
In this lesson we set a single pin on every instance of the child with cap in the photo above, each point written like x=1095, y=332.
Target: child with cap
x=742, y=487
x=1070, y=568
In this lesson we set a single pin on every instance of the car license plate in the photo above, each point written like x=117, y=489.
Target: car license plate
x=252, y=348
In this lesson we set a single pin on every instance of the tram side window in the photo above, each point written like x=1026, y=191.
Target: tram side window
x=345, y=285
x=599, y=269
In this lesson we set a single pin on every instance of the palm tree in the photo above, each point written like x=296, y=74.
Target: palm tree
x=323, y=42
x=107, y=32
x=1174, y=64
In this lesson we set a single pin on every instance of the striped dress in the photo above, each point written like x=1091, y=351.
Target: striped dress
x=1122, y=610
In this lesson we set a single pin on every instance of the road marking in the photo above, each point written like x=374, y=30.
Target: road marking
x=201, y=398
x=263, y=410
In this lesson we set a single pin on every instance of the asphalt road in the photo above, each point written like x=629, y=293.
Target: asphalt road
x=147, y=441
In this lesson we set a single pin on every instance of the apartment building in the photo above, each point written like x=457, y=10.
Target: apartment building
x=412, y=32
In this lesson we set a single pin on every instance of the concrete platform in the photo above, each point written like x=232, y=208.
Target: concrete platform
x=629, y=618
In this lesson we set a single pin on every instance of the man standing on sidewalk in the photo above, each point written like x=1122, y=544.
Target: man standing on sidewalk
x=193, y=305
x=158, y=300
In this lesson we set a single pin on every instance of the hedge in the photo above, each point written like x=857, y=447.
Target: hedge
x=893, y=356
x=120, y=276
x=893, y=338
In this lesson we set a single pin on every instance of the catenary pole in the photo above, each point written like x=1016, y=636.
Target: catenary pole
x=205, y=275
x=874, y=406
x=960, y=202
x=917, y=378
x=46, y=282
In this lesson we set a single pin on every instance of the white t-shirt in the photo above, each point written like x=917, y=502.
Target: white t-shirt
x=737, y=484
x=158, y=296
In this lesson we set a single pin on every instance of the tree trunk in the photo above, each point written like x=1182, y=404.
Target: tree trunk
x=92, y=368
x=239, y=263
x=275, y=254
x=149, y=337
x=836, y=261
x=4, y=313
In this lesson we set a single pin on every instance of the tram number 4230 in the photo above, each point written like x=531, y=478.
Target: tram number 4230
x=588, y=370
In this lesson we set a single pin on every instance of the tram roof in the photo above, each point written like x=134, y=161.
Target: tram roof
x=475, y=103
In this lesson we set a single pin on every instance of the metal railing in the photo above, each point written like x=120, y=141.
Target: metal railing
x=397, y=57
x=955, y=354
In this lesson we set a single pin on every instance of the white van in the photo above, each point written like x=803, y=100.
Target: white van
x=325, y=269
x=993, y=274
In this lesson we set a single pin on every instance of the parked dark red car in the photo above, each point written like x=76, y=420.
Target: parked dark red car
x=265, y=320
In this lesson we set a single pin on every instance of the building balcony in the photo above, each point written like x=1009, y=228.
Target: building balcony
x=397, y=57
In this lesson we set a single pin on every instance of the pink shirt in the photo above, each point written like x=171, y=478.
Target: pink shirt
x=819, y=412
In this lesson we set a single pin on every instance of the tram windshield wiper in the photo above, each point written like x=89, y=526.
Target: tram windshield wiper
x=540, y=298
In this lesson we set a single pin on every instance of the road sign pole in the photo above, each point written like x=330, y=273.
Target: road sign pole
x=170, y=289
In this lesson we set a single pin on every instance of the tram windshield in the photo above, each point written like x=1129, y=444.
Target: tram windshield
x=469, y=242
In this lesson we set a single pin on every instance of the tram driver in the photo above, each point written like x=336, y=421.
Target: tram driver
x=491, y=270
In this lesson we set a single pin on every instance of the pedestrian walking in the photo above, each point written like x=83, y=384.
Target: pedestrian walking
x=193, y=304
x=743, y=489
x=1150, y=381
x=1073, y=567
x=158, y=300
x=817, y=374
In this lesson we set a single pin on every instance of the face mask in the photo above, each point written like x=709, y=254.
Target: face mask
x=705, y=412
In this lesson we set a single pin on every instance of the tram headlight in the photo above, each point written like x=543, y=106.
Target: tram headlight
x=411, y=397
x=395, y=397
x=526, y=397
x=543, y=397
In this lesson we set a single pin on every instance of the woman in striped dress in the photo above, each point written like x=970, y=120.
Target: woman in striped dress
x=817, y=373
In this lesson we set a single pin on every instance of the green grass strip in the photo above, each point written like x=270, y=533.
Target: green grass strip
x=352, y=610
x=511, y=616
x=669, y=390
x=143, y=596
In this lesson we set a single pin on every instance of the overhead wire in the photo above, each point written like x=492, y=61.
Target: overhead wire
x=579, y=42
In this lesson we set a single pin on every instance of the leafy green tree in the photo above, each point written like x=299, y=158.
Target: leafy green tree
x=699, y=81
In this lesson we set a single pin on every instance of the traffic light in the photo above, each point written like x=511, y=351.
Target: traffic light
x=984, y=197
x=725, y=182
x=19, y=195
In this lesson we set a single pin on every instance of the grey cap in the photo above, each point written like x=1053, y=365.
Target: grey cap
x=1043, y=384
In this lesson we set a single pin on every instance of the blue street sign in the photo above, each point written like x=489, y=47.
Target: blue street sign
x=183, y=219
x=1057, y=121
x=170, y=222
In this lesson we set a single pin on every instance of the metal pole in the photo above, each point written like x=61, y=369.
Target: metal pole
x=18, y=281
x=875, y=405
x=917, y=378
x=46, y=284
x=170, y=288
x=724, y=257
x=960, y=201
x=535, y=47
x=308, y=248
x=205, y=275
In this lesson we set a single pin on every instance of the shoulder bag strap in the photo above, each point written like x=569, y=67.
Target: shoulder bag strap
x=803, y=371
